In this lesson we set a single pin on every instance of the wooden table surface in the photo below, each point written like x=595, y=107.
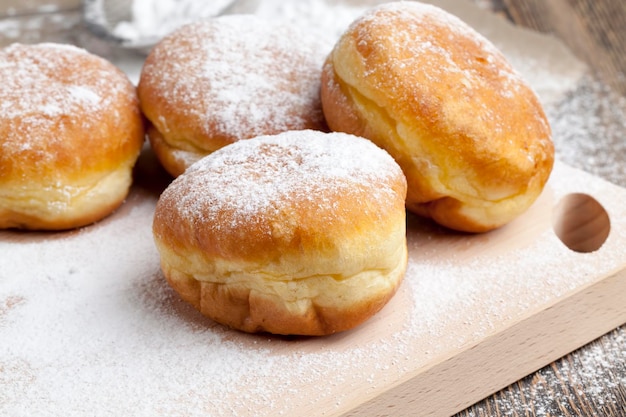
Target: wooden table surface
x=592, y=380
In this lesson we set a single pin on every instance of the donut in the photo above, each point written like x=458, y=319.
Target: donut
x=70, y=133
x=233, y=77
x=469, y=133
x=298, y=233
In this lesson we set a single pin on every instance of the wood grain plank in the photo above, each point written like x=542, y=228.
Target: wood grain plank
x=535, y=340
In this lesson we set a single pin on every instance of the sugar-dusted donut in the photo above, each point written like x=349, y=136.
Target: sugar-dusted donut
x=217, y=81
x=469, y=133
x=70, y=133
x=297, y=233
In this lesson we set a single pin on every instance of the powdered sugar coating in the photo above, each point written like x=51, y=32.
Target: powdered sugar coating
x=424, y=21
x=253, y=180
x=235, y=77
x=48, y=89
x=424, y=50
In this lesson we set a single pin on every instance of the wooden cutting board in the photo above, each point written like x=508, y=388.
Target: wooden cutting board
x=88, y=324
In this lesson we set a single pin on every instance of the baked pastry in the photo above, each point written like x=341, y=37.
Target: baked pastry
x=217, y=81
x=70, y=132
x=469, y=133
x=297, y=233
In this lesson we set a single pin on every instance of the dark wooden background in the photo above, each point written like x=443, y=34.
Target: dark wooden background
x=592, y=380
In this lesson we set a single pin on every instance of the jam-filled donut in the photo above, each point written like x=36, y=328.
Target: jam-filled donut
x=70, y=133
x=468, y=132
x=220, y=80
x=297, y=233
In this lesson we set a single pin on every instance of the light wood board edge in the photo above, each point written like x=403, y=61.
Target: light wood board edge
x=536, y=340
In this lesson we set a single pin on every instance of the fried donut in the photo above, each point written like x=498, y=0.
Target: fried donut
x=469, y=133
x=300, y=233
x=70, y=132
x=217, y=81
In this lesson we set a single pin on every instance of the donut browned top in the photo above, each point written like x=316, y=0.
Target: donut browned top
x=468, y=131
x=234, y=77
x=279, y=196
x=63, y=111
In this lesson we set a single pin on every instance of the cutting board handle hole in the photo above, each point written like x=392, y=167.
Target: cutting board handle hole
x=581, y=223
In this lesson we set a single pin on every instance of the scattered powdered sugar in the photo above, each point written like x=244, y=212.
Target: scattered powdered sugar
x=588, y=125
x=561, y=271
x=89, y=317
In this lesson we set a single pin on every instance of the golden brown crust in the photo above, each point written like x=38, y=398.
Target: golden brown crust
x=211, y=83
x=69, y=137
x=469, y=133
x=299, y=233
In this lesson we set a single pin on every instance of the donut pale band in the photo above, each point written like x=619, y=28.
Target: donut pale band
x=469, y=133
x=70, y=133
x=298, y=233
